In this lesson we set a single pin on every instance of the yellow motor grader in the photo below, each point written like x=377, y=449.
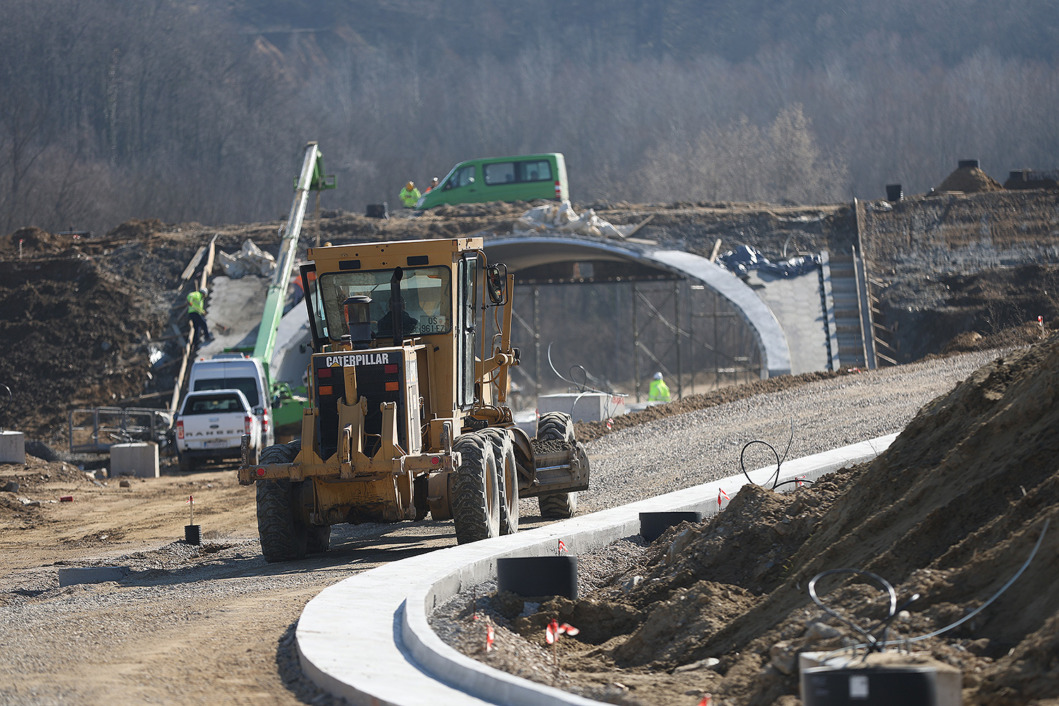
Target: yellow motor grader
x=407, y=414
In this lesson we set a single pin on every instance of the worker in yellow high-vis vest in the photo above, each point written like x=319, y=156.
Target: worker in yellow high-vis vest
x=659, y=391
x=197, y=316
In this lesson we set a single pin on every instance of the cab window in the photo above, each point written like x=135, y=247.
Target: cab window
x=463, y=177
x=425, y=291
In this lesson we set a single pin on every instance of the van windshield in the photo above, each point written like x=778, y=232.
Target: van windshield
x=248, y=386
x=426, y=292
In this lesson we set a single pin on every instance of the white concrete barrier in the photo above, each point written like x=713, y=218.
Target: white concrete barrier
x=367, y=638
x=12, y=447
x=138, y=459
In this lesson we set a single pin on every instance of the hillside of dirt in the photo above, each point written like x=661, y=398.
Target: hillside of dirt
x=90, y=321
x=964, y=502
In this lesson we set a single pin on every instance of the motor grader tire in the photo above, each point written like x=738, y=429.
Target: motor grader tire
x=475, y=491
x=556, y=426
x=506, y=477
x=561, y=506
x=283, y=536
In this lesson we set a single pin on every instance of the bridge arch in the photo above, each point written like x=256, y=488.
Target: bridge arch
x=542, y=252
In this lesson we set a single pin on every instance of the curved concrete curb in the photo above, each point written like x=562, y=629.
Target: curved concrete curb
x=367, y=638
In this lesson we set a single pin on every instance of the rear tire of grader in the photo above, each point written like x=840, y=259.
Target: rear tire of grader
x=283, y=535
x=556, y=426
x=475, y=490
x=507, y=478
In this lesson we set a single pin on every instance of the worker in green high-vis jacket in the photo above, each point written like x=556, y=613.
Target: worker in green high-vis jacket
x=197, y=316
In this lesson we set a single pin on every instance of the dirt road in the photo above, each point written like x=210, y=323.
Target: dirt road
x=188, y=624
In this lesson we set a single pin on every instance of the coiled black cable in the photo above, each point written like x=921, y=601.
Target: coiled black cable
x=774, y=478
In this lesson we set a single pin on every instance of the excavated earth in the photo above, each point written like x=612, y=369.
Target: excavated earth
x=950, y=512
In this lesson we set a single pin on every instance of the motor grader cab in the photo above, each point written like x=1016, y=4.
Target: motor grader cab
x=407, y=410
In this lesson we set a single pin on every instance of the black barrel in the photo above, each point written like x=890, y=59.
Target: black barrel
x=968, y=164
x=653, y=524
x=893, y=193
x=538, y=576
x=192, y=535
x=376, y=210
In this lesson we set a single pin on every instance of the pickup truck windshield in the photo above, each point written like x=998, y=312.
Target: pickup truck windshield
x=426, y=292
x=213, y=404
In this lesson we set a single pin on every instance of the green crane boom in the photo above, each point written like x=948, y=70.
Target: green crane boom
x=312, y=179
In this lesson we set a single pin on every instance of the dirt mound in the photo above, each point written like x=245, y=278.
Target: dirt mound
x=71, y=335
x=137, y=229
x=970, y=180
x=32, y=242
x=951, y=511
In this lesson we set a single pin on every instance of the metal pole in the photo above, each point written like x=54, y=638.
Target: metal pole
x=716, y=347
x=676, y=318
x=635, y=346
x=691, y=337
x=536, y=344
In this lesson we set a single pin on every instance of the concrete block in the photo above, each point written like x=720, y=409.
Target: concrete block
x=583, y=406
x=92, y=574
x=138, y=459
x=12, y=447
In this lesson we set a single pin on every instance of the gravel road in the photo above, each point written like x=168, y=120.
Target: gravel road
x=218, y=625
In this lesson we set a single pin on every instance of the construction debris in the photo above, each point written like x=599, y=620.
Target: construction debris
x=250, y=260
x=563, y=219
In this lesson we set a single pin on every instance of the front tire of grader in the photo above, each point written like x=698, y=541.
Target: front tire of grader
x=475, y=491
x=556, y=426
x=507, y=478
x=283, y=535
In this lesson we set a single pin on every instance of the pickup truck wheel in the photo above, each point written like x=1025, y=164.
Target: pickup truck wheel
x=283, y=536
x=556, y=426
x=475, y=491
x=187, y=464
x=506, y=477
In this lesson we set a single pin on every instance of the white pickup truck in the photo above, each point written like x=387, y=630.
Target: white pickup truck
x=211, y=425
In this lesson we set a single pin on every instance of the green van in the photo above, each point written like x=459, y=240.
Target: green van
x=523, y=178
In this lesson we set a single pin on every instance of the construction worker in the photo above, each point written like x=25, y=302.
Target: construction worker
x=659, y=391
x=433, y=185
x=197, y=315
x=409, y=195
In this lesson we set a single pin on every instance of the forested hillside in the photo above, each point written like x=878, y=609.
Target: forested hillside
x=118, y=109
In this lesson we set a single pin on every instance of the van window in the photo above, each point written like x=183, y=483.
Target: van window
x=214, y=404
x=534, y=171
x=461, y=178
x=499, y=173
x=248, y=386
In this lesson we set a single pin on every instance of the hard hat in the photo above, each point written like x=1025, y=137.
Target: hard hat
x=434, y=179
x=410, y=185
x=658, y=376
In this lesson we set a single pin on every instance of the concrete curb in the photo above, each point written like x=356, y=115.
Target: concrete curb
x=367, y=638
